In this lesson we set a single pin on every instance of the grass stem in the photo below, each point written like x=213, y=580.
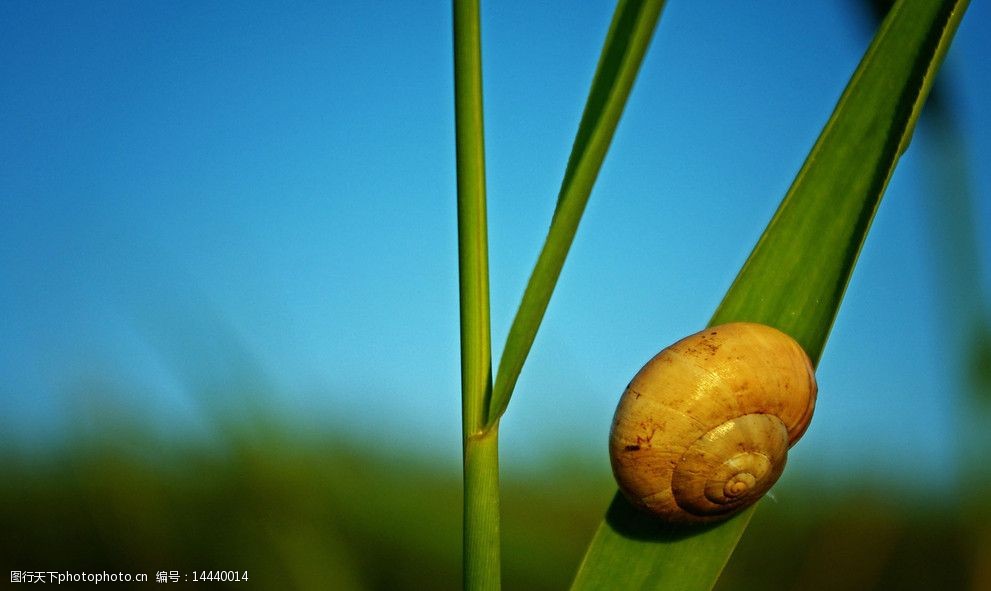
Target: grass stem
x=481, y=460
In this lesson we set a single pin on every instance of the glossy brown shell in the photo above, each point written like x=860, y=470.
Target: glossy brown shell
x=704, y=428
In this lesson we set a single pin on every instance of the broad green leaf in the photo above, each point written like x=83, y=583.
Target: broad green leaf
x=797, y=273
x=626, y=43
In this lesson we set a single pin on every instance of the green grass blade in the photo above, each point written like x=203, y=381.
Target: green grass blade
x=481, y=470
x=622, y=53
x=476, y=356
x=796, y=275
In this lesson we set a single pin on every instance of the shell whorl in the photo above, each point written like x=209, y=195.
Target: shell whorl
x=704, y=427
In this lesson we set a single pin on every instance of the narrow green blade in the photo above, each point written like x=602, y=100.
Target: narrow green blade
x=473, y=250
x=796, y=275
x=629, y=35
x=481, y=541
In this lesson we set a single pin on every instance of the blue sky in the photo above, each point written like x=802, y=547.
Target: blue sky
x=199, y=197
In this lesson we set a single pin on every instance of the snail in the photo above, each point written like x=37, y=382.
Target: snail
x=704, y=428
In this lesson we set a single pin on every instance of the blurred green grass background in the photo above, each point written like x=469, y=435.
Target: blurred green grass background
x=305, y=511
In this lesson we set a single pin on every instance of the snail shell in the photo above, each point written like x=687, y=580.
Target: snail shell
x=703, y=430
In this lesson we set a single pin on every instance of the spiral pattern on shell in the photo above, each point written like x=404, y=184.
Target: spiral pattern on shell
x=704, y=428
